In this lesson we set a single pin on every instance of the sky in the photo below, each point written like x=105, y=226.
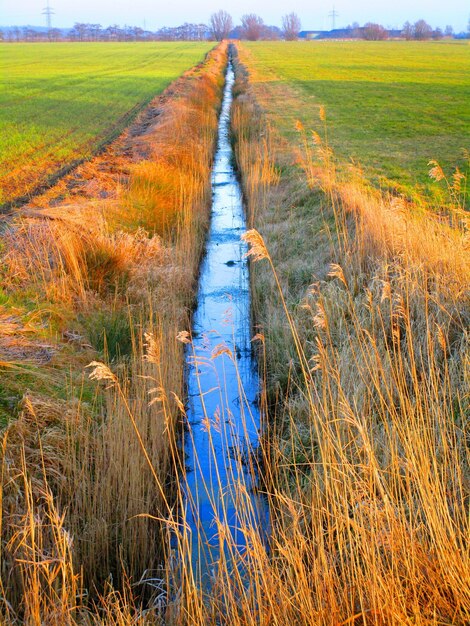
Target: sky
x=313, y=14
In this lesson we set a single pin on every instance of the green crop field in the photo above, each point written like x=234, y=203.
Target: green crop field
x=59, y=102
x=391, y=106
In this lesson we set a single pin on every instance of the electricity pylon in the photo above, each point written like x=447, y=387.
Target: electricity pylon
x=48, y=12
x=333, y=14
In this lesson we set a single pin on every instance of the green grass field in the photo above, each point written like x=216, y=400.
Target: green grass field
x=59, y=102
x=391, y=106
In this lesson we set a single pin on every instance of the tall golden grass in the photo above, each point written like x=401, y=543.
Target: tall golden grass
x=364, y=328
x=80, y=501
x=367, y=388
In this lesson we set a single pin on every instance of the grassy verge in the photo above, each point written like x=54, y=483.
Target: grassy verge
x=61, y=103
x=363, y=306
x=101, y=268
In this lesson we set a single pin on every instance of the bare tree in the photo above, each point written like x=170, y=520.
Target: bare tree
x=374, y=32
x=79, y=31
x=271, y=33
x=220, y=25
x=137, y=33
x=113, y=32
x=356, y=30
x=54, y=34
x=29, y=34
x=252, y=27
x=95, y=31
x=407, y=31
x=422, y=30
x=291, y=26
x=449, y=31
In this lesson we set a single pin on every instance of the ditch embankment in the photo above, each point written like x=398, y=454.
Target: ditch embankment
x=361, y=315
x=362, y=301
x=101, y=268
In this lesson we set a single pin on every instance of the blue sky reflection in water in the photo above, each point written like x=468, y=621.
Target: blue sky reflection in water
x=223, y=385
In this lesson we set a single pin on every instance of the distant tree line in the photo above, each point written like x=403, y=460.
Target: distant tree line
x=419, y=31
x=220, y=26
x=96, y=32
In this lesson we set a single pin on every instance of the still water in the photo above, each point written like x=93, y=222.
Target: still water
x=223, y=418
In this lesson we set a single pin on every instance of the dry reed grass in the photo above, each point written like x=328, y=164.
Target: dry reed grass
x=366, y=464
x=367, y=455
x=79, y=501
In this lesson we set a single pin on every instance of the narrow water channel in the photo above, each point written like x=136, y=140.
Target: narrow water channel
x=223, y=416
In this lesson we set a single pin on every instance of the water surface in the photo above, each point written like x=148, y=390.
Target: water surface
x=223, y=416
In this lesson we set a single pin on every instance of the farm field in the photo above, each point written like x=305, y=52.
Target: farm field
x=233, y=373
x=391, y=106
x=61, y=102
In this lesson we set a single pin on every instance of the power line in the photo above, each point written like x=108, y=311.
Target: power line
x=333, y=14
x=48, y=12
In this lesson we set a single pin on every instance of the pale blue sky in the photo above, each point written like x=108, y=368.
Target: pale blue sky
x=314, y=15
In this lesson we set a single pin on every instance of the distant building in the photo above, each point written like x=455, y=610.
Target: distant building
x=342, y=33
x=395, y=34
x=337, y=33
x=310, y=34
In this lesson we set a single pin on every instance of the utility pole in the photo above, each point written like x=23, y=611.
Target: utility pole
x=48, y=12
x=333, y=14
